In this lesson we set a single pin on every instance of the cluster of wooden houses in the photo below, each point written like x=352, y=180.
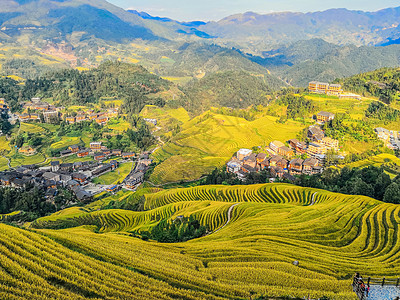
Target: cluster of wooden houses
x=246, y=162
x=68, y=175
x=391, y=138
x=101, y=118
x=53, y=114
x=282, y=160
x=97, y=150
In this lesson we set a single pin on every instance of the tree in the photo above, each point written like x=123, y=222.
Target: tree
x=381, y=184
x=392, y=193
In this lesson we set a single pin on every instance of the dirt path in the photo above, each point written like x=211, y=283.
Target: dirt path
x=229, y=217
x=8, y=161
x=313, y=199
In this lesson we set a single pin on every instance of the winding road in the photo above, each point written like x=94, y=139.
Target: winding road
x=229, y=217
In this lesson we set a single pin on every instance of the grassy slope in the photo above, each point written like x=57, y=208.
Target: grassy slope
x=272, y=226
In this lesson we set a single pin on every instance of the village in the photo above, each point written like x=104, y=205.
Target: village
x=39, y=111
x=293, y=158
x=77, y=176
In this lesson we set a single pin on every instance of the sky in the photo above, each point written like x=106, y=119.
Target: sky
x=214, y=10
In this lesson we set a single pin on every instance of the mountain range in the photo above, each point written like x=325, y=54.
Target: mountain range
x=296, y=47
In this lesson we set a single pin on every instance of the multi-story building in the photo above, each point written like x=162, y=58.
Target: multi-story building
x=296, y=166
x=330, y=143
x=324, y=116
x=299, y=147
x=334, y=90
x=95, y=146
x=318, y=87
x=325, y=88
x=275, y=145
x=285, y=151
x=80, y=118
x=70, y=120
x=315, y=149
x=310, y=166
x=242, y=153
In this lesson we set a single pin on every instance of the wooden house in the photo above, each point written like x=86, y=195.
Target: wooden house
x=74, y=148
x=83, y=153
x=128, y=155
x=285, y=151
x=296, y=166
x=99, y=156
x=95, y=146
x=309, y=164
x=324, y=116
x=70, y=120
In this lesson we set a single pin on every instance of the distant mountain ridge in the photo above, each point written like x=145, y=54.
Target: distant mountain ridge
x=338, y=26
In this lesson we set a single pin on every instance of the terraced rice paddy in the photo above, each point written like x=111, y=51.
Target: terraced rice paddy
x=271, y=226
x=31, y=128
x=209, y=140
x=19, y=159
x=65, y=142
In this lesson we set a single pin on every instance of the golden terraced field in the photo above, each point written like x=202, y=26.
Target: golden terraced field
x=272, y=225
x=209, y=140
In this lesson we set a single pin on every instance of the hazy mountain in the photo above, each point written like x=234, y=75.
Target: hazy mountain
x=339, y=26
x=316, y=59
x=186, y=28
x=68, y=19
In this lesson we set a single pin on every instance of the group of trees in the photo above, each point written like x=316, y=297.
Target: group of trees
x=29, y=200
x=297, y=106
x=180, y=230
x=341, y=126
x=383, y=83
x=370, y=181
x=5, y=125
x=378, y=110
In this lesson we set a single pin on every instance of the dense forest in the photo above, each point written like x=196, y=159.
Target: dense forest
x=110, y=79
x=72, y=87
x=235, y=89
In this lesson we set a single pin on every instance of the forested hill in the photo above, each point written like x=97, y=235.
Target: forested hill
x=383, y=83
x=72, y=87
x=236, y=89
x=316, y=59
